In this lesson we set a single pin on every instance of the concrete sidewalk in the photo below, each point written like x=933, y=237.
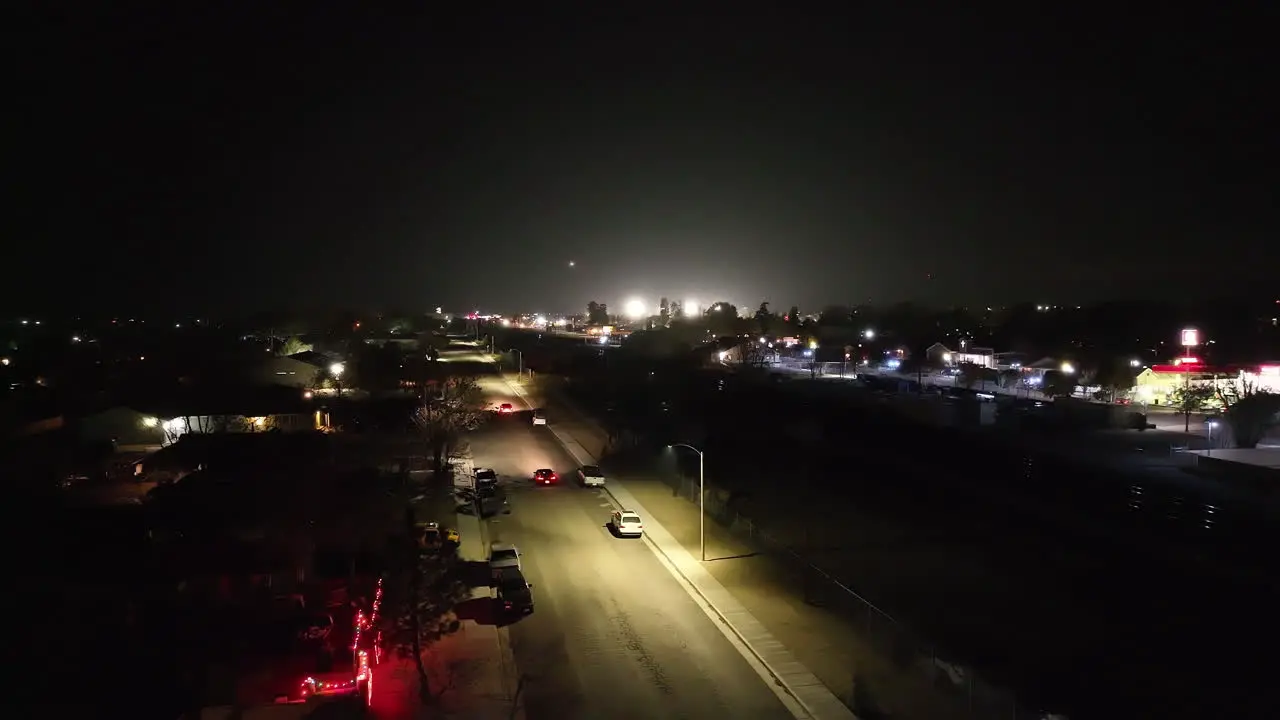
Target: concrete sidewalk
x=490, y=676
x=586, y=443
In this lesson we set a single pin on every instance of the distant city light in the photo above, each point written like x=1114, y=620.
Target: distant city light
x=1067, y=368
x=691, y=307
x=636, y=309
x=572, y=264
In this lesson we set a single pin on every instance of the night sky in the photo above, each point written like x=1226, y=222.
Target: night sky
x=240, y=158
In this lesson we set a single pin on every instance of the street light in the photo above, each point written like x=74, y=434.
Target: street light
x=336, y=370
x=1211, y=425
x=702, y=498
x=869, y=334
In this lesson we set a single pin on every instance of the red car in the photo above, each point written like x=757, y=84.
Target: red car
x=505, y=408
x=545, y=477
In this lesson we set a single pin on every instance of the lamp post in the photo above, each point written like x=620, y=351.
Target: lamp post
x=1190, y=339
x=702, y=499
x=1211, y=424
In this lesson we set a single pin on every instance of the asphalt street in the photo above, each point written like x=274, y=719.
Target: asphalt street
x=613, y=633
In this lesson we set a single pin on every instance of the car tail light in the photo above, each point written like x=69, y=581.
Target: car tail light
x=508, y=604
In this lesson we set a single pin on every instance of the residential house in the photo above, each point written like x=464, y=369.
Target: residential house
x=321, y=361
x=287, y=371
x=149, y=423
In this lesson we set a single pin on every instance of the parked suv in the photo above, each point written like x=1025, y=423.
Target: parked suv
x=514, y=593
x=627, y=523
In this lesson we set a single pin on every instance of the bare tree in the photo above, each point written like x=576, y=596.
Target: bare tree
x=445, y=417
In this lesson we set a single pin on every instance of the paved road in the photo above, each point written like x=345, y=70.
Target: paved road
x=614, y=634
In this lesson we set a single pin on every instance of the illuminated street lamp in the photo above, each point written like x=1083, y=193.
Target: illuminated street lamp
x=336, y=371
x=702, y=496
x=1068, y=369
x=869, y=334
x=1135, y=363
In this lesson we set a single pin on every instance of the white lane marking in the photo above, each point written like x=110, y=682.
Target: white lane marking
x=779, y=690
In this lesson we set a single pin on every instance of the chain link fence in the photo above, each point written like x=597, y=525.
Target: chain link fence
x=959, y=687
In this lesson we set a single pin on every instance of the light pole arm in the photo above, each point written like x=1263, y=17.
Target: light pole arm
x=702, y=499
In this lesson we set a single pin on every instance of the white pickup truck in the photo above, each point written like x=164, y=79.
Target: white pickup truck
x=591, y=476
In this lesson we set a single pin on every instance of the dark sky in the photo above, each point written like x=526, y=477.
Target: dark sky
x=252, y=158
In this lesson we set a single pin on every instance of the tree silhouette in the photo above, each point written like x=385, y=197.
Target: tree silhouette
x=1190, y=398
x=1250, y=413
x=1058, y=384
x=722, y=319
x=597, y=313
x=765, y=320
x=446, y=416
x=970, y=374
